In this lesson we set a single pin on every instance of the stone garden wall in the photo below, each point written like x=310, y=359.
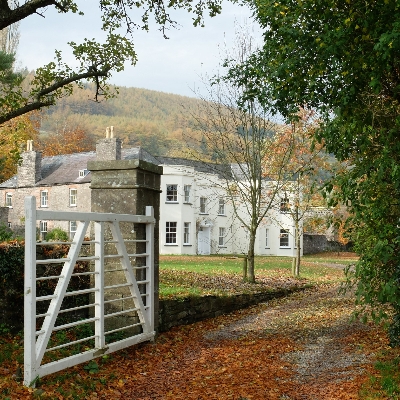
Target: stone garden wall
x=175, y=312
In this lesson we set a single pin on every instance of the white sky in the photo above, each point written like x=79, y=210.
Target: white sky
x=172, y=66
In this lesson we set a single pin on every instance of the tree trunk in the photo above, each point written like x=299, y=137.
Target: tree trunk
x=245, y=269
x=297, y=266
x=250, y=259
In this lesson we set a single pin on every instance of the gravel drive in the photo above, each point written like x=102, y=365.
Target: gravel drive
x=319, y=320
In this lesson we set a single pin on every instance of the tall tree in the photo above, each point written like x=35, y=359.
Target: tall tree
x=342, y=58
x=243, y=142
x=96, y=61
x=308, y=168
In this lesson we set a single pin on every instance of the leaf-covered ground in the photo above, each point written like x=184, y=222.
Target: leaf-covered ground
x=304, y=346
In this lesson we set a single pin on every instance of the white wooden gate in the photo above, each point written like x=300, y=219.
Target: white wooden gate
x=41, y=329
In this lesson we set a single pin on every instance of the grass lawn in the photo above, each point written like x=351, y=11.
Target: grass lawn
x=183, y=276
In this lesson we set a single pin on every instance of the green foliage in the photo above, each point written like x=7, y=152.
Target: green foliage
x=389, y=378
x=5, y=233
x=7, y=76
x=324, y=54
x=12, y=268
x=57, y=235
x=92, y=367
x=12, y=280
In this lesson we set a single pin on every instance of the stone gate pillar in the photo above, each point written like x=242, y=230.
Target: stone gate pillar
x=127, y=187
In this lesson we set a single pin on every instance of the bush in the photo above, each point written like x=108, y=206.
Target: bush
x=12, y=281
x=57, y=235
x=5, y=233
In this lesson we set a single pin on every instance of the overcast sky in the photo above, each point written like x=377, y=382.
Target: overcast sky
x=172, y=66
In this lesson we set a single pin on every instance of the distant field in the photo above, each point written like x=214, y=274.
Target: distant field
x=182, y=276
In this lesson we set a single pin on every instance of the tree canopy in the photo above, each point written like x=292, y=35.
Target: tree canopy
x=96, y=61
x=325, y=54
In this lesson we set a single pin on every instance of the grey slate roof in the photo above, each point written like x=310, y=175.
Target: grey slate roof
x=64, y=169
x=223, y=171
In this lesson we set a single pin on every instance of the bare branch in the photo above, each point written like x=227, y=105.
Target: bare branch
x=9, y=16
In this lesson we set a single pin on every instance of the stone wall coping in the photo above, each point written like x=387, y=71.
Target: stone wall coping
x=124, y=165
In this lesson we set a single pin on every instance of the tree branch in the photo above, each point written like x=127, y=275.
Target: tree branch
x=4, y=7
x=24, y=110
x=9, y=16
x=36, y=105
x=90, y=74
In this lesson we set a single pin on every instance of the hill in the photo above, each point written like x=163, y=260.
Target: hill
x=154, y=120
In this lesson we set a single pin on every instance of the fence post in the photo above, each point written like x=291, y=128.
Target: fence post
x=150, y=263
x=30, y=367
x=99, y=284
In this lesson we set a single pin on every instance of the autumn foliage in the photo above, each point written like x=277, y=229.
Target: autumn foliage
x=66, y=141
x=13, y=135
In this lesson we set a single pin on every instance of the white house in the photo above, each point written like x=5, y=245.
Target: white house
x=196, y=216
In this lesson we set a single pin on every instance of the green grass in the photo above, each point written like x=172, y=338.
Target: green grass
x=185, y=276
x=385, y=384
x=231, y=264
x=178, y=291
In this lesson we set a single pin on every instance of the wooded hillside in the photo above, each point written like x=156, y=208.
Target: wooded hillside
x=154, y=120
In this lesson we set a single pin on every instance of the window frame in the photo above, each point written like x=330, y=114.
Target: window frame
x=284, y=235
x=8, y=200
x=221, y=206
x=171, y=228
x=221, y=236
x=203, y=203
x=83, y=173
x=72, y=232
x=186, y=233
x=44, y=198
x=266, y=238
x=171, y=193
x=43, y=228
x=186, y=193
x=71, y=196
x=284, y=206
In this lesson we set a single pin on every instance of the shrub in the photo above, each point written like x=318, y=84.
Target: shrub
x=57, y=235
x=5, y=233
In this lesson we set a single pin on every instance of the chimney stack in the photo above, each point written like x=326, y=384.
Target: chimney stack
x=108, y=148
x=30, y=170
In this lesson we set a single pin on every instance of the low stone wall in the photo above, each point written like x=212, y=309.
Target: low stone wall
x=175, y=312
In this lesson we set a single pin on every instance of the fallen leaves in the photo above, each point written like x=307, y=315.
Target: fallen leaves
x=225, y=283
x=301, y=347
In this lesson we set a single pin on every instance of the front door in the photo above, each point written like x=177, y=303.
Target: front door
x=203, y=241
